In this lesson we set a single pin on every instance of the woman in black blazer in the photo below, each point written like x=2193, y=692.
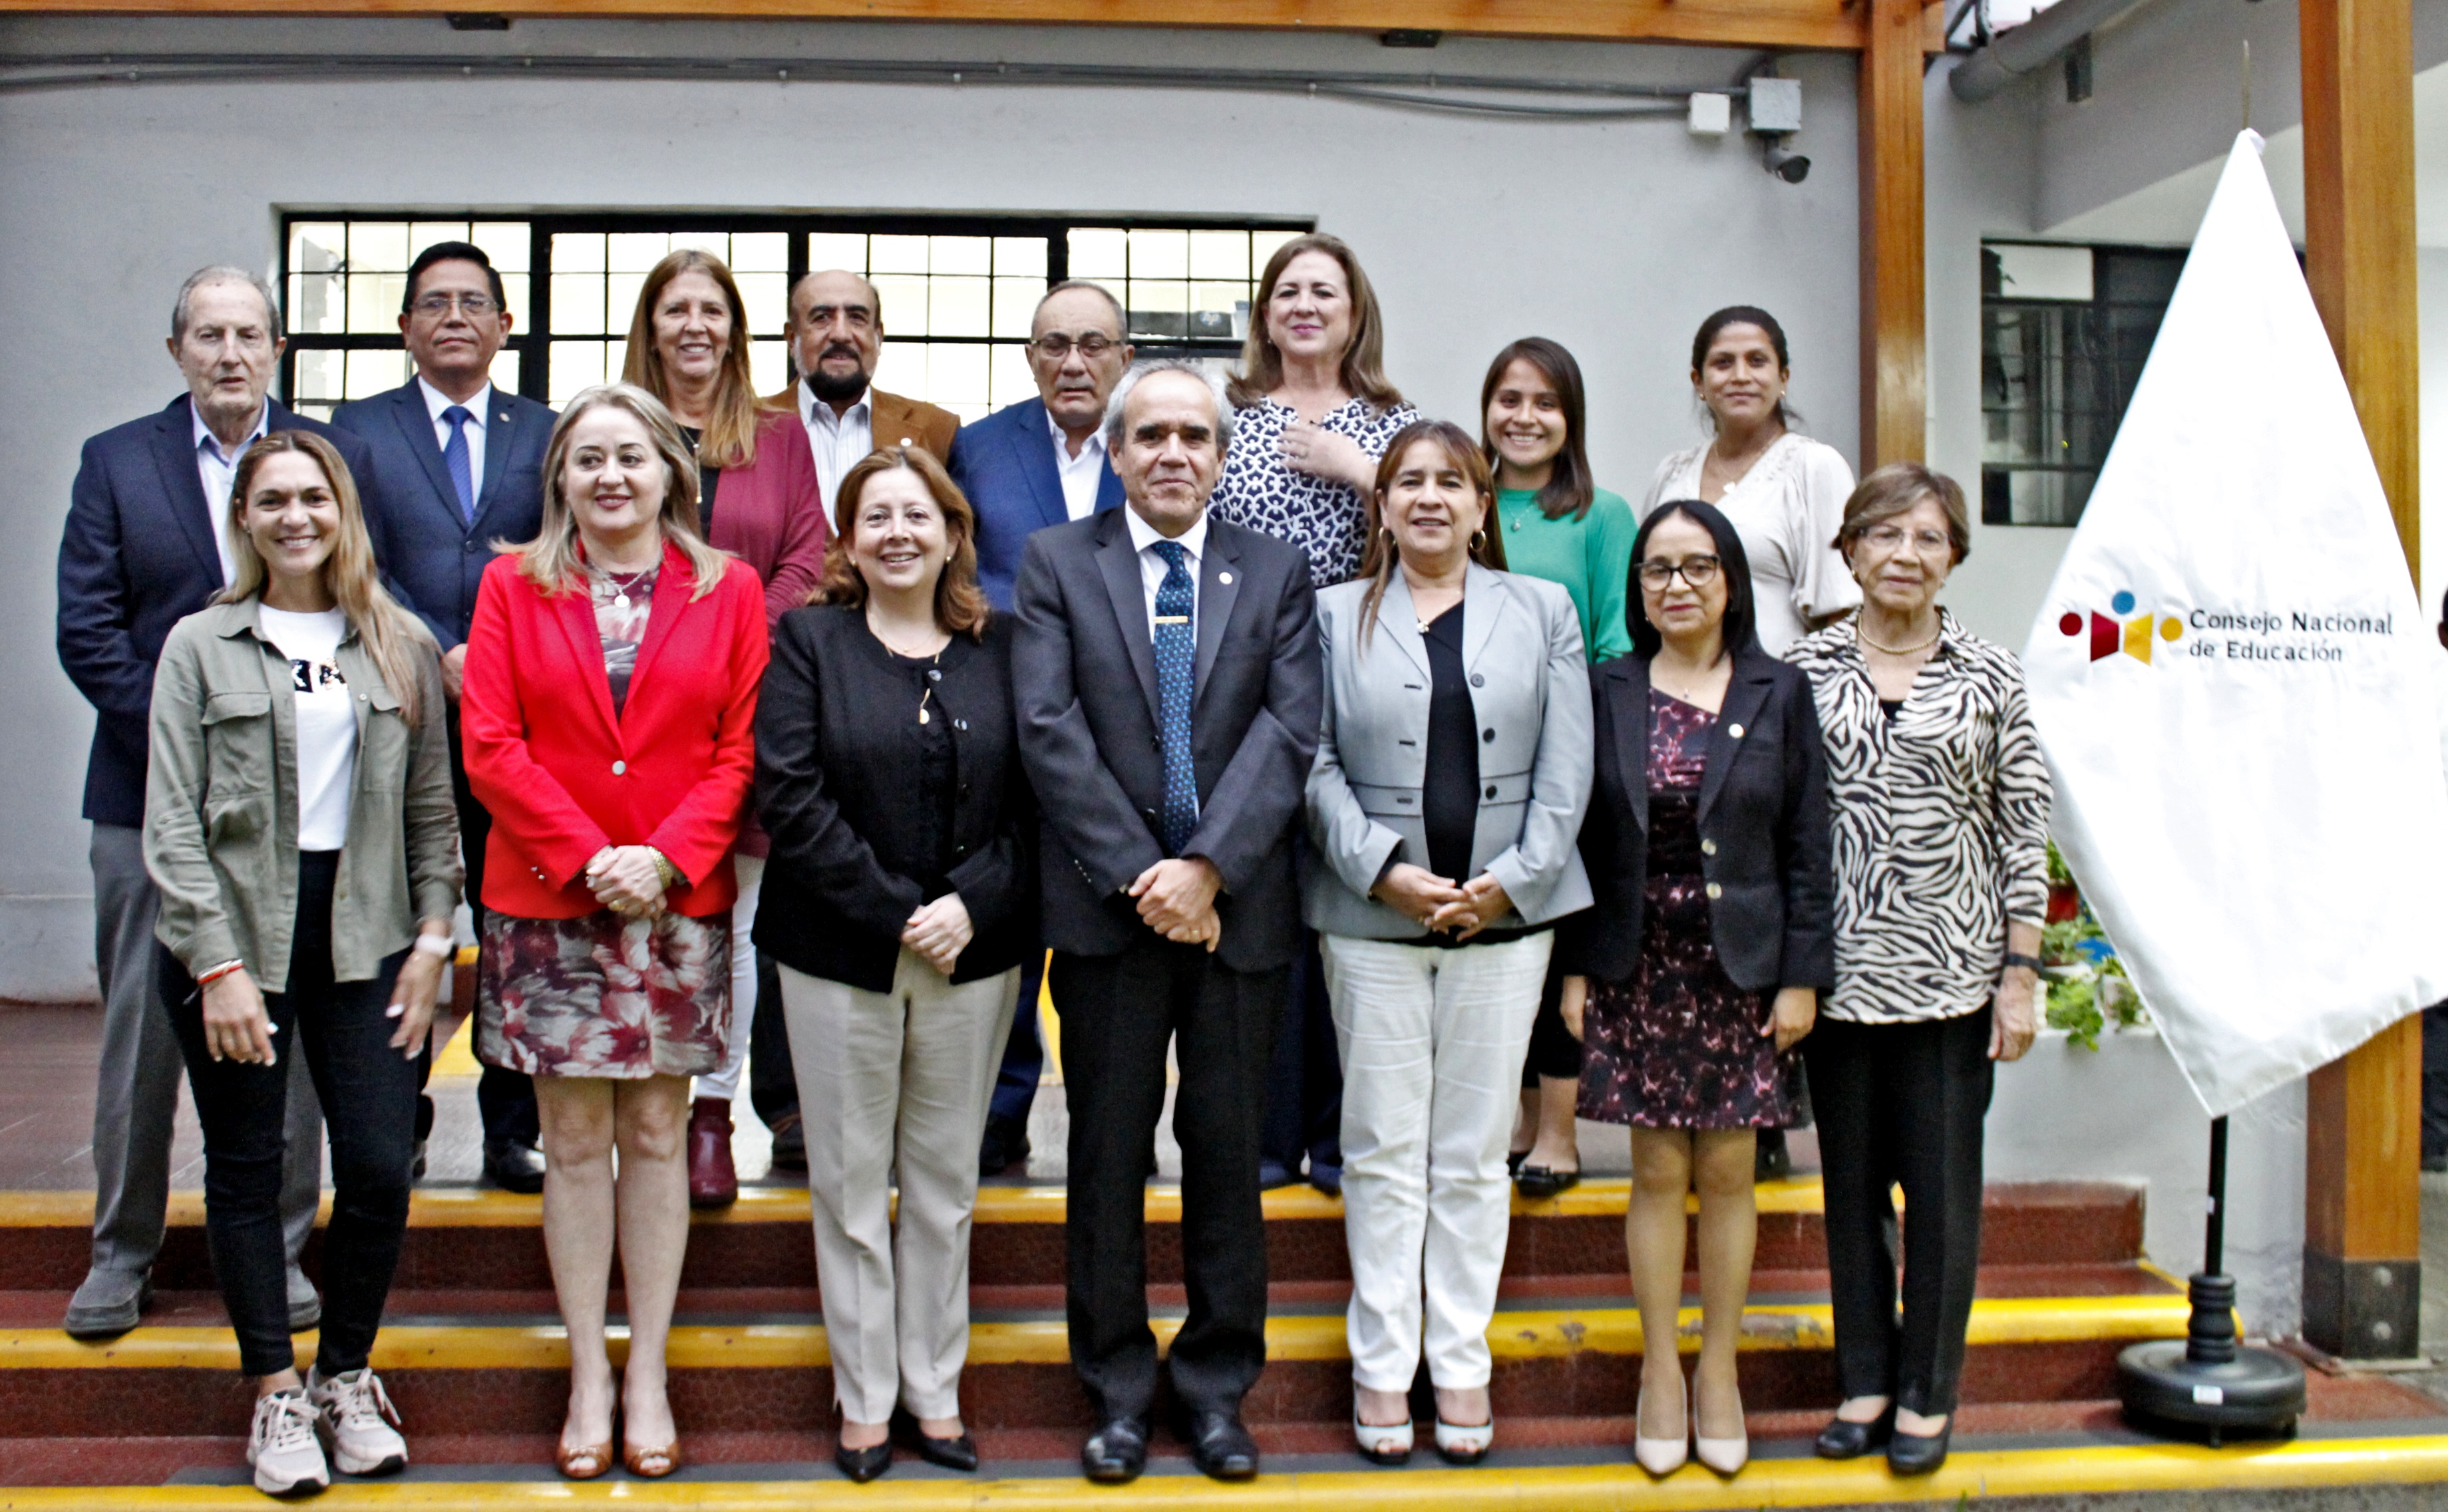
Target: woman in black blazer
x=1699, y=968
x=898, y=905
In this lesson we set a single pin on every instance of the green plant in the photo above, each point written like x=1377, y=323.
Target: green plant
x=2073, y=1007
x=2058, y=870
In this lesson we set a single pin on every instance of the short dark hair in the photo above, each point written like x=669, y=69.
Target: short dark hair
x=1741, y=624
x=1896, y=489
x=452, y=252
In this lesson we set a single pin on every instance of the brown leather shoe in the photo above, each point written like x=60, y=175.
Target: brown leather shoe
x=713, y=1181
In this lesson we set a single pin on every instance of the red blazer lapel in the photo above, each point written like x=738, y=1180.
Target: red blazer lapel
x=575, y=610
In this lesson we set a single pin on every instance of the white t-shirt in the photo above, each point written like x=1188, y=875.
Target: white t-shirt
x=327, y=726
x=1787, y=510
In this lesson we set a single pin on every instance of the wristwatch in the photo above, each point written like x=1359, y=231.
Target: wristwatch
x=2019, y=958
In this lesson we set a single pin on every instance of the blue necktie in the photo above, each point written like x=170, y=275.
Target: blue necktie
x=454, y=456
x=1177, y=650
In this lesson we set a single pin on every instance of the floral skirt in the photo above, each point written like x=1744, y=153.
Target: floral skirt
x=603, y=995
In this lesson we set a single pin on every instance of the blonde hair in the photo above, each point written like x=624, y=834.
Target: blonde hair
x=729, y=439
x=393, y=635
x=552, y=562
x=1364, y=360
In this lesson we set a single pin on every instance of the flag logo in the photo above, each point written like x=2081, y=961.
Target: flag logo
x=2126, y=631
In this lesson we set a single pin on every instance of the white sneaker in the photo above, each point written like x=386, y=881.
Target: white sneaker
x=282, y=1447
x=364, y=1426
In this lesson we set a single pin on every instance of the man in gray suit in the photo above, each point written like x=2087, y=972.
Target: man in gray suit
x=1169, y=691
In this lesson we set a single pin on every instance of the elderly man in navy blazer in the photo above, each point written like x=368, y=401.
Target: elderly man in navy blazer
x=146, y=545
x=1170, y=688
x=458, y=465
x=1040, y=462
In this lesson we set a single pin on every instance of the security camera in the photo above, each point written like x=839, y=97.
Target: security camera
x=1790, y=166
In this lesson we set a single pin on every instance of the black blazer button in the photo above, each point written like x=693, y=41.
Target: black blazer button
x=1491, y=789
x=1488, y=735
x=471, y=548
x=934, y=674
x=1478, y=680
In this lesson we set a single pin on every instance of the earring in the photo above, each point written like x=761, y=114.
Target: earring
x=1479, y=541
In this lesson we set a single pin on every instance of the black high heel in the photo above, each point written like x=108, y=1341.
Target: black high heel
x=1918, y=1453
x=1840, y=1440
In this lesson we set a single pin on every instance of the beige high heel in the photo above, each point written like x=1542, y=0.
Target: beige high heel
x=1659, y=1457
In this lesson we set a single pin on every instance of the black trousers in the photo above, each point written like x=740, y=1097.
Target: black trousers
x=1119, y=1012
x=1305, y=1075
x=504, y=1098
x=369, y=1092
x=1552, y=1050
x=1902, y=1103
x=773, y=1085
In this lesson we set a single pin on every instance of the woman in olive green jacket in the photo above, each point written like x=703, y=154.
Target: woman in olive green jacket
x=298, y=820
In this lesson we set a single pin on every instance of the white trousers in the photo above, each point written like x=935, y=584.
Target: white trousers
x=723, y=1081
x=1433, y=1042
x=896, y=1081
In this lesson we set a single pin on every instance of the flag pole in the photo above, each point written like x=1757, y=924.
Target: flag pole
x=2206, y=1384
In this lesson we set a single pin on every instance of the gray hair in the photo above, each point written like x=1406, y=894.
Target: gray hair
x=1121, y=319
x=1154, y=365
x=223, y=272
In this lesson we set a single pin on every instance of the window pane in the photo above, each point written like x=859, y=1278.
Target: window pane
x=768, y=364
x=957, y=307
x=761, y=251
x=318, y=375
x=506, y=370
x=1219, y=311
x=896, y=254
x=1159, y=255
x=836, y=249
x=1098, y=253
x=1263, y=245
x=424, y=233
x=905, y=304
x=901, y=368
x=715, y=244
x=375, y=372
x=1220, y=254
x=316, y=246
x=635, y=251
x=515, y=289
x=576, y=302
x=967, y=255
x=377, y=246
x=315, y=302
x=577, y=252
x=620, y=292
x=1020, y=257
x=504, y=241
x=1159, y=309
x=956, y=378
x=1014, y=305
x=375, y=300
x=573, y=366
x=1008, y=380
x=762, y=292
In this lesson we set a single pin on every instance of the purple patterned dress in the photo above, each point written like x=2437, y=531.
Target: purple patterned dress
x=1680, y=1046
x=600, y=994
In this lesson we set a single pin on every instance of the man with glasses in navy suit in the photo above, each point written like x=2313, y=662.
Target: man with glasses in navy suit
x=146, y=544
x=1040, y=463
x=458, y=465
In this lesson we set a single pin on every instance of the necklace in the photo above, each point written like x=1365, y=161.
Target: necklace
x=1684, y=697
x=932, y=659
x=1863, y=636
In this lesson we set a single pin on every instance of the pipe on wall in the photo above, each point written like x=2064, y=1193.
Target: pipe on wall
x=2033, y=46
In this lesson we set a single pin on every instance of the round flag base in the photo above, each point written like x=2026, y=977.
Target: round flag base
x=2256, y=1393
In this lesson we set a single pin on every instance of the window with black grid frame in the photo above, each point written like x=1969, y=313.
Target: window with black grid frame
x=957, y=292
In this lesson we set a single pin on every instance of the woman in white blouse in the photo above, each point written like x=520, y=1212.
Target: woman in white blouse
x=1783, y=492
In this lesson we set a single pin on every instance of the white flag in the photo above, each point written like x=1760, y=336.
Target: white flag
x=2232, y=680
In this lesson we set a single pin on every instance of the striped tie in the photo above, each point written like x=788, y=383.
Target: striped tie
x=1176, y=649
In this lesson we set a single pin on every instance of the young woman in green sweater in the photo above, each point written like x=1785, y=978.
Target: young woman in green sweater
x=1559, y=526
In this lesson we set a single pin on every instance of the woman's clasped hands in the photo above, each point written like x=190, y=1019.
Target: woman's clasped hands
x=626, y=879
x=938, y=932
x=1419, y=894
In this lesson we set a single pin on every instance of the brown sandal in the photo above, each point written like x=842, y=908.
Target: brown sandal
x=583, y=1463
x=652, y=1465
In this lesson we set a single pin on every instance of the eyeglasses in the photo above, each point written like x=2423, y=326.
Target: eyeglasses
x=1891, y=537
x=1699, y=571
x=1054, y=346
x=474, y=306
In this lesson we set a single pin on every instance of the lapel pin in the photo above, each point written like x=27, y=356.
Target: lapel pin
x=1223, y=578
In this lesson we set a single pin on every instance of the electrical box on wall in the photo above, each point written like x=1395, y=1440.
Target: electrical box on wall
x=1775, y=105
x=1713, y=115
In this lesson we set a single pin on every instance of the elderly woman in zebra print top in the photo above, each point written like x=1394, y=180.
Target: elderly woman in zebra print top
x=1940, y=805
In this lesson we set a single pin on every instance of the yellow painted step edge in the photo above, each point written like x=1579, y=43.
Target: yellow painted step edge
x=1766, y=1483
x=1514, y=1335
x=483, y=1207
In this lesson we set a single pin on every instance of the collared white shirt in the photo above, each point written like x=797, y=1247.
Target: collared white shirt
x=216, y=469
x=478, y=409
x=1083, y=474
x=1153, y=566
x=841, y=442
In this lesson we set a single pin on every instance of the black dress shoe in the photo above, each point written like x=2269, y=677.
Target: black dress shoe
x=952, y=1454
x=514, y=1167
x=1771, y=1160
x=1918, y=1453
x=1840, y=1440
x=1006, y=1145
x=1540, y=1182
x=864, y=1465
x=789, y=1142
x=1115, y=1452
x=1221, y=1447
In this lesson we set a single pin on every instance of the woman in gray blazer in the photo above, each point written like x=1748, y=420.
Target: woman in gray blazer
x=1452, y=772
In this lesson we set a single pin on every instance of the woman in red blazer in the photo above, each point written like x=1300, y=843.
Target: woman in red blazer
x=611, y=688
x=688, y=346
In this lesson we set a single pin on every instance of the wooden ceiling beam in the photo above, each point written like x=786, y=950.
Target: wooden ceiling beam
x=1781, y=25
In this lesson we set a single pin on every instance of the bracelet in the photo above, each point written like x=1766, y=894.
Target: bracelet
x=2019, y=958
x=214, y=973
x=665, y=869
x=438, y=946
